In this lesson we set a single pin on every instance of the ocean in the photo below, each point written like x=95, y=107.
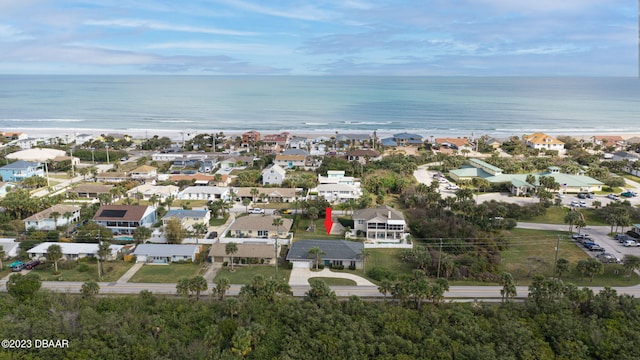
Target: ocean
x=441, y=106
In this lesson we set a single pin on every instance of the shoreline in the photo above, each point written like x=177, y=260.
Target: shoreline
x=138, y=134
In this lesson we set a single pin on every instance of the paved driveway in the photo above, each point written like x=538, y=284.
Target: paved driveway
x=300, y=276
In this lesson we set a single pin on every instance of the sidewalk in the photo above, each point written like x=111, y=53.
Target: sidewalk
x=212, y=271
x=125, y=278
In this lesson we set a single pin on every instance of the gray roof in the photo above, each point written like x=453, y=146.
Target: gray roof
x=384, y=212
x=20, y=164
x=165, y=250
x=260, y=222
x=181, y=214
x=244, y=250
x=295, y=152
x=333, y=249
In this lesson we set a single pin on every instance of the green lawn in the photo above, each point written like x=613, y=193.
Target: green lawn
x=113, y=270
x=533, y=252
x=556, y=214
x=388, y=259
x=218, y=221
x=166, y=273
x=301, y=233
x=245, y=274
x=336, y=281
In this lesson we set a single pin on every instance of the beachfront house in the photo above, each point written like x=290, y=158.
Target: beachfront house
x=402, y=139
x=20, y=169
x=51, y=218
x=543, y=141
x=124, y=219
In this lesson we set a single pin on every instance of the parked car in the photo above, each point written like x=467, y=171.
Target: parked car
x=582, y=196
x=596, y=247
x=579, y=236
x=583, y=203
x=587, y=244
x=575, y=203
x=19, y=267
x=628, y=194
x=452, y=187
x=613, y=197
x=285, y=211
x=608, y=258
x=212, y=235
x=31, y=264
x=623, y=238
x=256, y=211
x=630, y=243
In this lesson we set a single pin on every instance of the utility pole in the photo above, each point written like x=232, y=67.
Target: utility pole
x=555, y=259
x=73, y=171
x=276, y=256
x=439, y=258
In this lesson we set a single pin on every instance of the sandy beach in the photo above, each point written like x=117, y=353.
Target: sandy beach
x=187, y=133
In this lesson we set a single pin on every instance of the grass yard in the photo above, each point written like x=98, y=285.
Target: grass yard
x=388, y=259
x=301, y=233
x=166, y=273
x=113, y=270
x=532, y=252
x=556, y=214
x=245, y=274
x=336, y=281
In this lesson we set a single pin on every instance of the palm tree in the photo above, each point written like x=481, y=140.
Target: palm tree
x=54, y=253
x=230, y=249
x=277, y=222
x=316, y=253
x=3, y=253
x=254, y=193
x=246, y=202
x=385, y=288
x=200, y=229
x=67, y=215
x=222, y=285
x=364, y=253
x=104, y=250
x=90, y=289
x=141, y=234
x=55, y=216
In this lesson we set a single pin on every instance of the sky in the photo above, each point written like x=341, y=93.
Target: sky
x=320, y=37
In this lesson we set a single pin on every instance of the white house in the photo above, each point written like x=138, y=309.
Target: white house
x=165, y=253
x=72, y=251
x=144, y=172
x=48, y=220
x=381, y=225
x=204, y=193
x=188, y=218
x=273, y=175
x=162, y=192
x=543, y=142
x=336, y=193
x=10, y=247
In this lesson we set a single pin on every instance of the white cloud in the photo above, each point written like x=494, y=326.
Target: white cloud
x=154, y=25
x=9, y=33
x=307, y=12
x=221, y=46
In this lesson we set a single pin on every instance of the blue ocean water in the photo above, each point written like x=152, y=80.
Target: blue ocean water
x=426, y=105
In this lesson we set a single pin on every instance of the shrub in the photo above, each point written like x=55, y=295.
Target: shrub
x=83, y=267
x=320, y=266
x=289, y=265
x=352, y=267
x=224, y=264
x=381, y=273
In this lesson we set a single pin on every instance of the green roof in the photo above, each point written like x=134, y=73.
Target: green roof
x=486, y=165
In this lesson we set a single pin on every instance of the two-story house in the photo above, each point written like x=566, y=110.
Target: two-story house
x=188, y=218
x=543, y=141
x=381, y=225
x=20, y=169
x=273, y=175
x=124, y=219
x=51, y=218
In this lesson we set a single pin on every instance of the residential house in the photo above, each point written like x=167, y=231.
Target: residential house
x=205, y=193
x=10, y=247
x=282, y=139
x=203, y=179
x=615, y=141
x=336, y=193
x=295, y=151
x=337, y=177
x=144, y=172
x=250, y=138
x=112, y=177
x=259, y=226
x=7, y=136
x=381, y=225
x=273, y=175
x=458, y=143
x=290, y=161
x=166, y=253
x=267, y=194
x=332, y=252
x=83, y=138
x=89, y=191
x=363, y=156
x=20, y=169
x=298, y=142
x=188, y=218
x=354, y=140
x=402, y=139
x=234, y=161
x=147, y=191
x=543, y=141
x=252, y=253
x=72, y=251
x=124, y=219
x=47, y=220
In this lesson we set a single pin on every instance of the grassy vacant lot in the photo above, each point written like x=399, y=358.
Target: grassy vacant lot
x=336, y=281
x=245, y=274
x=532, y=252
x=556, y=214
x=301, y=233
x=388, y=259
x=113, y=270
x=166, y=273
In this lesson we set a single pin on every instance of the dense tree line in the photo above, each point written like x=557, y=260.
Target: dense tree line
x=558, y=321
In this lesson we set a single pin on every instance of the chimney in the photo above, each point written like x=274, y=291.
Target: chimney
x=389, y=216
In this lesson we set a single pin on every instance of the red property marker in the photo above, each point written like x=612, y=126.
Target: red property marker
x=328, y=223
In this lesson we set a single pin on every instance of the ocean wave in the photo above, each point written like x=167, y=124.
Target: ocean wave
x=176, y=121
x=42, y=120
x=347, y=122
x=316, y=123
